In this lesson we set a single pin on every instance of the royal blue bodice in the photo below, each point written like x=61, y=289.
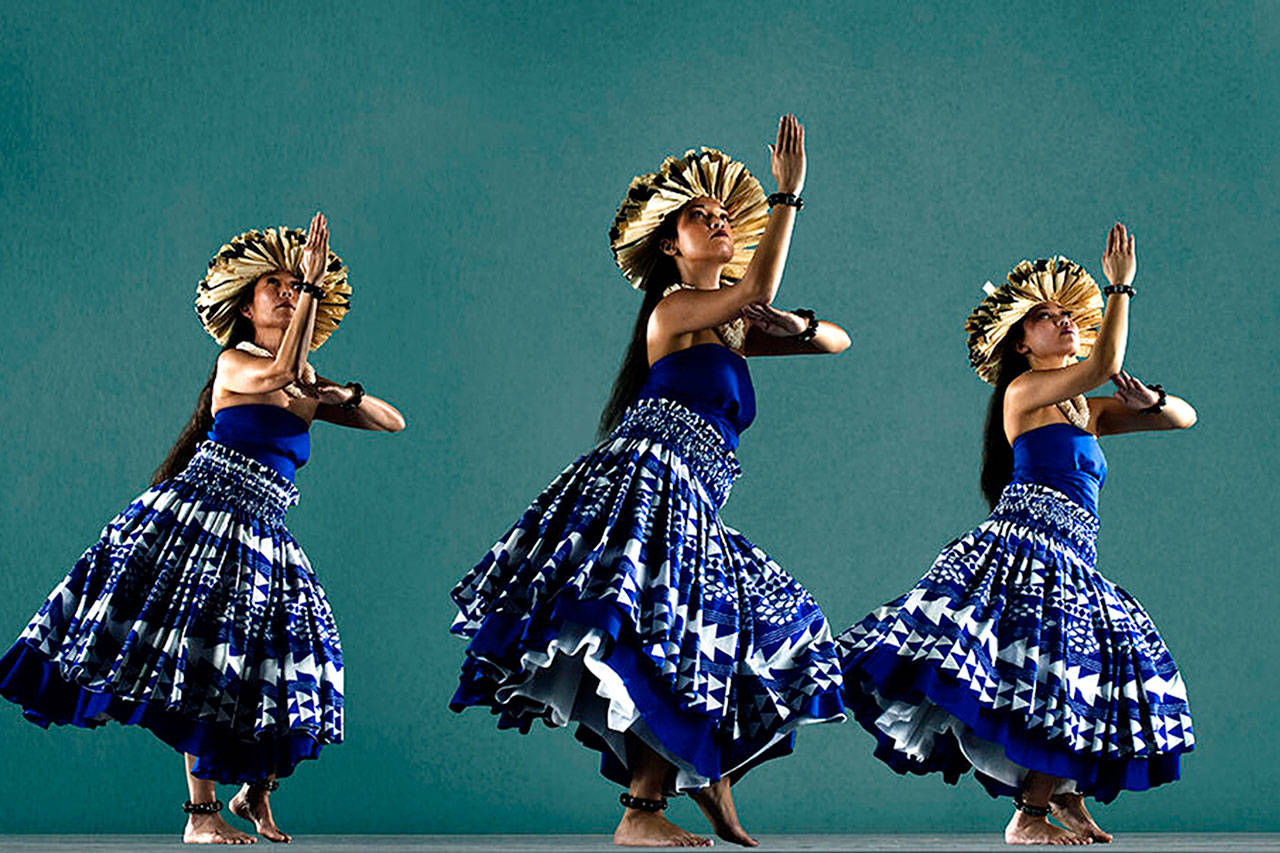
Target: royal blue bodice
x=711, y=380
x=1062, y=457
x=274, y=436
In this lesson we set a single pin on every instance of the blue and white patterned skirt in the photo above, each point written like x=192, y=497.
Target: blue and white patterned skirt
x=621, y=602
x=1014, y=654
x=197, y=616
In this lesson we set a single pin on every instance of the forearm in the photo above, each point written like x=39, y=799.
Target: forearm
x=764, y=273
x=1107, y=357
x=373, y=413
x=297, y=338
x=1176, y=414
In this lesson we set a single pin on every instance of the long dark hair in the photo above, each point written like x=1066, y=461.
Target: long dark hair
x=201, y=419
x=997, y=455
x=635, y=362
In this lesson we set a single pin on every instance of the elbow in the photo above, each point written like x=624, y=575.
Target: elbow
x=1107, y=365
x=395, y=423
x=285, y=375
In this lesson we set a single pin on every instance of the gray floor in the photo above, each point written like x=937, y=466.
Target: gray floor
x=1154, y=842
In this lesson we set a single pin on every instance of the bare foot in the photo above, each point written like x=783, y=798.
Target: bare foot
x=1069, y=810
x=212, y=829
x=650, y=829
x=252, y=804
x=1024, y=829
x=716, y=803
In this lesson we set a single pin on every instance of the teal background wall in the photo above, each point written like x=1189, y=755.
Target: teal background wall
x=470, y=157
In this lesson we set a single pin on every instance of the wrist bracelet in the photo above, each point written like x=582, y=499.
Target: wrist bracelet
x=1112, y=289
x=356, y=397
x=789, y=199
x=314, y=289
x=811, y=330
x=1158, y=406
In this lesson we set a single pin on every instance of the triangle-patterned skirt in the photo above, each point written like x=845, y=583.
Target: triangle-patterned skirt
x=1012, y=654
x=622, y=603
x=197, y=616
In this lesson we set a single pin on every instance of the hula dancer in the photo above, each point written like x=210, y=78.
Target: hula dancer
x=1013, y=655
x=620, y=601
x=196, y=615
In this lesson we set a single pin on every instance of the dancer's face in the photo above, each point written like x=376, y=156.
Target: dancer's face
x=275, y=298
x=1049, y=332
x=703, y=233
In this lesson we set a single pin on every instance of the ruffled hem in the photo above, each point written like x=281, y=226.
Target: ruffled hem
x=35, y=682
x=624, y=696
x=884, y=673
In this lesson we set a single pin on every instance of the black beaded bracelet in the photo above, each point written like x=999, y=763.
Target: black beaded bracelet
x=356, y=398
x=210, y=807
x=267, y=785
x=1113, y=289
x=789, y=199
x=314, y=289
x=811, y=330
x=641, y=803
x=1158, y=406
x=1030, y=810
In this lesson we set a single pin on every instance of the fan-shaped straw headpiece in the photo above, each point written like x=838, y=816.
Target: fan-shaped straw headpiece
x=1031, y=283
x=655, y=195
x=239, y=263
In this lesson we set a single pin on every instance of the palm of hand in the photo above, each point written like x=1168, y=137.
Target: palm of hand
x=315, y=254
x=1119, y=261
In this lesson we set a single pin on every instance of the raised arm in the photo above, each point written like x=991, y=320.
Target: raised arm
x=244, y=373
x=1037, y=388
x=691, y=310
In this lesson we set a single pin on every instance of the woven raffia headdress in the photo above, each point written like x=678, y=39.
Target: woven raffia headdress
x=654, y=195
x=1031, y=283
x=240, y=262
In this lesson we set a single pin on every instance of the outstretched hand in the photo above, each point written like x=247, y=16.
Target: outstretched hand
x=315, y=254
x=1119, y=261
x=786, y=155
x=775, y=321
x=1131, y=393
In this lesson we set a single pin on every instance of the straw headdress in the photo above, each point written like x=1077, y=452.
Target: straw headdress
x=240, y=262
x=654, y=195
x=1031, y=283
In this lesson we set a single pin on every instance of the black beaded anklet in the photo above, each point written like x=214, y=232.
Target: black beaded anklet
x=211, y=807
x=1030, y=810
x=641, y=803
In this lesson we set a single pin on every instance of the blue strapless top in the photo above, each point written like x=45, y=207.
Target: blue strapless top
x=710, y=379
x=1062, y=457
x=273, y=436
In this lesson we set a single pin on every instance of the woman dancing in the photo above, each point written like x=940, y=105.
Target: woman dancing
x=196, y=615
x=1013, y=655
x=620, y=601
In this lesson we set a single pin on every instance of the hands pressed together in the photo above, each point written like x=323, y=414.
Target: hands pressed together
x=786, y=155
